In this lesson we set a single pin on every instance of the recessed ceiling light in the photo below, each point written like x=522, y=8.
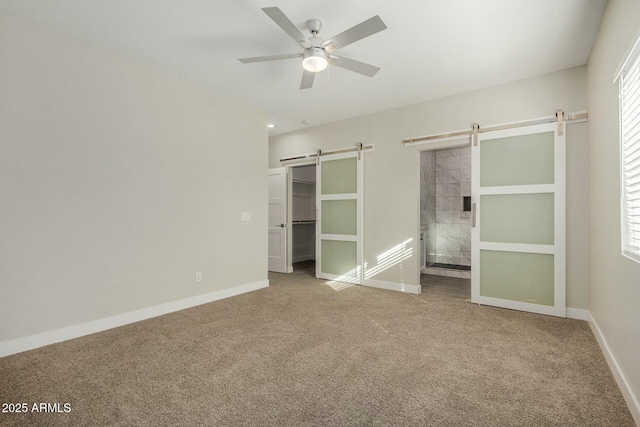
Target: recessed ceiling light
x=306, y=122
x=271, y=126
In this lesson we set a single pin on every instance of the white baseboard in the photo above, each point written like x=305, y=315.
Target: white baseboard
x=51, y=337
x=393, y=286
x=577, y=313
x=623, y=384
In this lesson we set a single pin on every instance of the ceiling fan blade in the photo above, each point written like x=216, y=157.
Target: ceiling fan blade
x=270, y=58
x=353, y=65
x=285, y=23
x=353, y=34
x=307, y=79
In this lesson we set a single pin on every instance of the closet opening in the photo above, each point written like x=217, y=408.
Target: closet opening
x=303, y=219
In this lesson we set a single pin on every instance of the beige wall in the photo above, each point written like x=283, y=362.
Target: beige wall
x=392, y=172
x=615, y=279
x=118, y=183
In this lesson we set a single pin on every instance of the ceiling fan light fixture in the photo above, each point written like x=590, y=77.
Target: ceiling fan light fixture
x=317, y=53
x=315, y=60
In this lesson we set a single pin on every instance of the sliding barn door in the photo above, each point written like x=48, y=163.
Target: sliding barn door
x=518, y=238
x=339, y=216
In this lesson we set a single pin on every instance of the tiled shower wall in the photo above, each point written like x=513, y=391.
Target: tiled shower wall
x=428, y=202
x=445, y=178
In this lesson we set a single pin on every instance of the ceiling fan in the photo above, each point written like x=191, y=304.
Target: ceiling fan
x=318, y=53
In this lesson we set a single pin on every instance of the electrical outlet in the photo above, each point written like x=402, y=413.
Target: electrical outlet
x=198, y=276
x=245, y=216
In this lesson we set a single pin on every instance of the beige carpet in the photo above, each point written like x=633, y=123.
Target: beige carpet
x=301, y=353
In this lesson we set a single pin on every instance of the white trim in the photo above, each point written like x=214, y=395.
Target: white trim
x=342, y=196
x=632, y=256
x=517, y=131
x=393, y=286
x=578, y=314
x=517, y=189
x=560, y=220
x=353, y=278
x=475, y=223
x=340, y=237
x=51, y=337
x=290, y=167
x=623, y=384
x=517, y=247
x=549, y=310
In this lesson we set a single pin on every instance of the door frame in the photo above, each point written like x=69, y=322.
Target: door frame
x=290, y=209
x=439, y=145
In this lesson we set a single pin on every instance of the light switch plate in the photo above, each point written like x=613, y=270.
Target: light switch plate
x=245, y=216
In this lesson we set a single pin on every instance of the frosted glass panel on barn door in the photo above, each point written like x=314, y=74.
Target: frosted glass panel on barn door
x=339, y=235
x=518, y=238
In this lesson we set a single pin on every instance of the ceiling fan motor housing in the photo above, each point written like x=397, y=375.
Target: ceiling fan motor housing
x=314, y=51
x=314, y=25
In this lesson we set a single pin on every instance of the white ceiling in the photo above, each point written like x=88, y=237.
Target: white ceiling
x=431, y=49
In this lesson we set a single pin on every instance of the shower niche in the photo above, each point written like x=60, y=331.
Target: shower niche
x=445, y=211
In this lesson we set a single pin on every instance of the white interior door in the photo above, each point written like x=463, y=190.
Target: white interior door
x=339, y=214
x=518, y=238
x=278, y=220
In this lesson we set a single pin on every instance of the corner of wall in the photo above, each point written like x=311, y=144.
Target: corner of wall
x=623, y=383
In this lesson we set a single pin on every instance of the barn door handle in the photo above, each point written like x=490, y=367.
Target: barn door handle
x=473, y=215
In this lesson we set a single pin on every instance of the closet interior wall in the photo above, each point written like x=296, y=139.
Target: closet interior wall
x=303, y=224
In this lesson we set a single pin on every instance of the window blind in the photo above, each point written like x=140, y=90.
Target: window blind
x=630, y=157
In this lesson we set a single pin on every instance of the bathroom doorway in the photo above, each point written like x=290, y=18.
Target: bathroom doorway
x=445, y=221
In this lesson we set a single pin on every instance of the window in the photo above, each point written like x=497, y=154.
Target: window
x=630, y=154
